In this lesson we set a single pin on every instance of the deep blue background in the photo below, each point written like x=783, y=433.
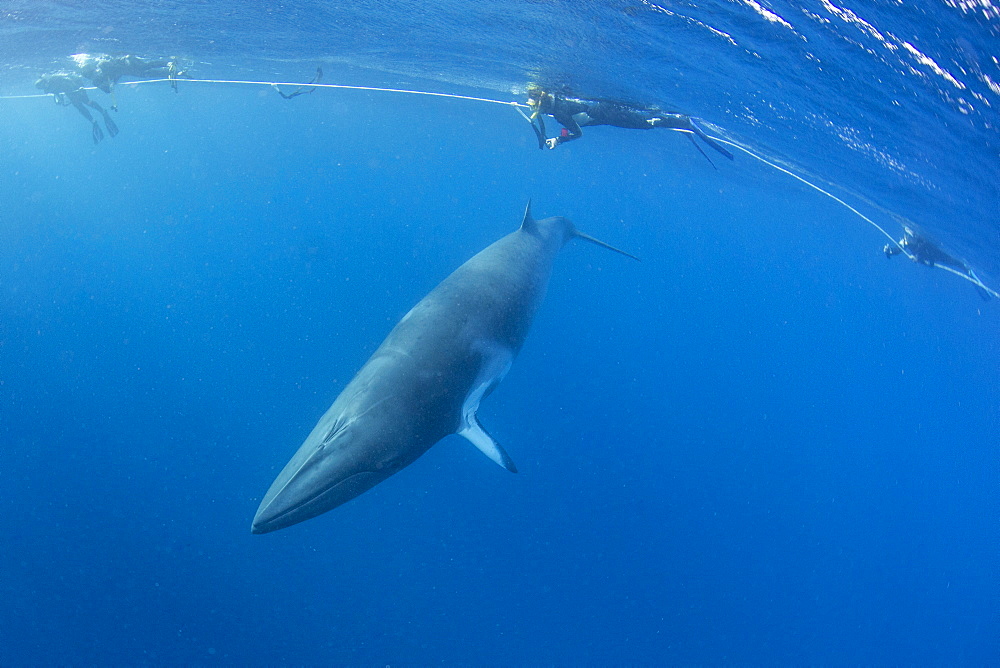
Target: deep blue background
x=763, y=444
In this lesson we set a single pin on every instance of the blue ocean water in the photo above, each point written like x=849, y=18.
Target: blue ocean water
x=764, y=444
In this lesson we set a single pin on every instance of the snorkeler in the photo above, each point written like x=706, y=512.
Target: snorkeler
x=919, y=248
x=67, y=89
x=105, y=71
x=573, y=113
x=922, y=250
x=301, y=90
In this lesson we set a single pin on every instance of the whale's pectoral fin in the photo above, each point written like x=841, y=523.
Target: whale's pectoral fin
x=475, y=434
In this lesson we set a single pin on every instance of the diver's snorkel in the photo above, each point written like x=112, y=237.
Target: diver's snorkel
x=535, y=104
x=535, y=99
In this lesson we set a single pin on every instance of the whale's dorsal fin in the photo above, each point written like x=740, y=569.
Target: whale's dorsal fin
x=528, y=224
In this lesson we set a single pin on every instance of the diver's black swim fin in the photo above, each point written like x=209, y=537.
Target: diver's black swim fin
x=708, y=140
x=691, y=137
x=110, y=124
x=301, y=90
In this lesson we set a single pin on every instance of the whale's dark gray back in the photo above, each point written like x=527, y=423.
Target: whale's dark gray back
x=500, y=288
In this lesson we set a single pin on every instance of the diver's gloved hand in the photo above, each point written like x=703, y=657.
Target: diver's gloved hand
x=552, y=142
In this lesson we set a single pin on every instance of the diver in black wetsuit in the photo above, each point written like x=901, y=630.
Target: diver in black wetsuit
x=923, y=251
x=573, y=113
x=105, y=71
x=67, y=89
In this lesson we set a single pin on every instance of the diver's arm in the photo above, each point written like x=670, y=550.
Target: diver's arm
x=571, y=130
x=892, y=249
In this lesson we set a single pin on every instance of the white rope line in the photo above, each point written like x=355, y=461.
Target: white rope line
x=814, y=187
x=336, y=86
x=296, y=84
x=970, y=276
